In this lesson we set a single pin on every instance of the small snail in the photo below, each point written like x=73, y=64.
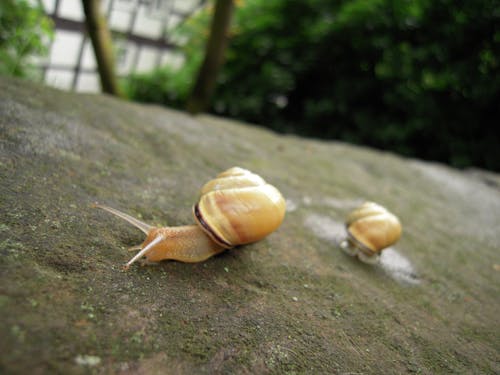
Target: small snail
x=236, y=208
x=370, y=229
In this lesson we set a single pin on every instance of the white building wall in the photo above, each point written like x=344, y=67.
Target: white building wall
x=151, y=21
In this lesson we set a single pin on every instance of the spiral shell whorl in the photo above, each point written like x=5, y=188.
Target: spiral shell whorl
x=239, y=207
x=373, y=228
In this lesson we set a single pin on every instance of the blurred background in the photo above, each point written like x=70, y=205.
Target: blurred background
x=416, y=77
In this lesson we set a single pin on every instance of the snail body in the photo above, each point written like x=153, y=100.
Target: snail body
x=370, y=229
x=236, y=208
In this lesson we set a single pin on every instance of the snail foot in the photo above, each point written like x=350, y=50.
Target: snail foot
x=368, y=259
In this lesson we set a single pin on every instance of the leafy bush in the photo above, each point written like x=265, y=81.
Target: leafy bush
x=24, y=33
x=418, y=77
x=167, y=85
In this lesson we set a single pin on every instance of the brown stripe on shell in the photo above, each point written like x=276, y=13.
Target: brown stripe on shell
x=209, y=230
x=359, y=245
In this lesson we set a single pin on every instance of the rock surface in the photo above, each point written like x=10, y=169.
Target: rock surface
x=292, y=303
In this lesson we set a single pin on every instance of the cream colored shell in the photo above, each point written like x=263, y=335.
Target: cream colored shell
x=374, y=227
x=239, y=207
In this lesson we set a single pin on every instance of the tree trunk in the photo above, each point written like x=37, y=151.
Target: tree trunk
x=201, y=95
x=100, y=36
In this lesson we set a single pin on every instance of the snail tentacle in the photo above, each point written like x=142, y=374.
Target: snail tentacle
x=132, y=220
x=144, y=251
x=135, y=248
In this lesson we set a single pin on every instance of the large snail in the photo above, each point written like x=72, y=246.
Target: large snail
x=236, y=208
x=370, y=229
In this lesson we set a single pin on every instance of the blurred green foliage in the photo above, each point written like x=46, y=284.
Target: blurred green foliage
x=168, y=85
x=419, y=77
x=24, y=33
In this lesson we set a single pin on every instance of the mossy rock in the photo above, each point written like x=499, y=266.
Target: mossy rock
x=291, y=303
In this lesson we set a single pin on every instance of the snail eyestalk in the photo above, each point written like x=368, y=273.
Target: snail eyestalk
x=132, y=220
x=144, y=251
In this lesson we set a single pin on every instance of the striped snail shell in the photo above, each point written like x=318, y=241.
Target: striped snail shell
x=239, y=207
x=370, y=229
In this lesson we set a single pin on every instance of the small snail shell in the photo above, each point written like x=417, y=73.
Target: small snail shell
x=236, y=208
x=370, y=229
